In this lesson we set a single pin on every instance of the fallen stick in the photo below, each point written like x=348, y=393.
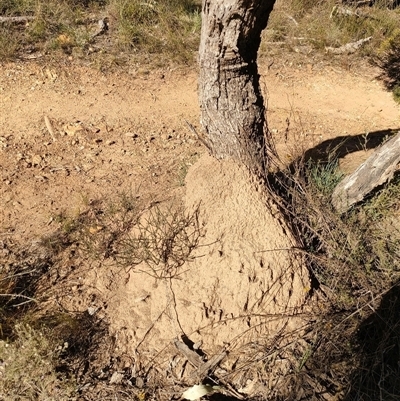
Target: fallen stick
x=340, y=10
x=349, y=47
x=193, y=357
x=50, y=128
x=17, y=20
x=209, y=366
x=202, y=368
x=378, y=169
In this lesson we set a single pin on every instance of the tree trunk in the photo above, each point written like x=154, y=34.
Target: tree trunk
x=232, y=106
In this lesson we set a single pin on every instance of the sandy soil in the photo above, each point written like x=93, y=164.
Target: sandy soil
x=112, y=126
x=122, y=132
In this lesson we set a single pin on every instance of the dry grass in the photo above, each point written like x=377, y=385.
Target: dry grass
x=355, y=261
x=162, y=32
x=153, y=32
x=389, y=62
x=347, y=350
x=353, y=344
x=28, y=368
x=162, y=237
x=309, y=27
x=60, y=344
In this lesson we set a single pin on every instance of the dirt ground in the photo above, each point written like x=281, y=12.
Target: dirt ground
x=108, y=133
x=122, y=130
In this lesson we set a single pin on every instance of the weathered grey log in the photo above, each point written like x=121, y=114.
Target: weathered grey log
x=376, y=170
x=17, y=20
x=349, y=47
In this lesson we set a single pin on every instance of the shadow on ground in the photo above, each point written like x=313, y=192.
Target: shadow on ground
x=378, y=343
x=355, y=352
x=341, y=146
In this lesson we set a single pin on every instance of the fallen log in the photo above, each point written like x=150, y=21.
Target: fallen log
x=17, y=20
x=378, y=169
x=349, y=47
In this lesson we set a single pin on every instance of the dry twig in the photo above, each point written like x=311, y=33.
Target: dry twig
x=17, y=20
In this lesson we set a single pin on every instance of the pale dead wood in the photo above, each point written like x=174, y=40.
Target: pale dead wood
x=193, y=357
x=361, y=3
x=202, y=368
x=345, y=11
x=31, y=56
x=376, y=170
x=342, y=10
x=102, y=28
x=50, y=128
x=210, y=365
x=17, y=20
x=349, y=47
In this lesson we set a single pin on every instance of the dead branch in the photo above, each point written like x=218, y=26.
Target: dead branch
x=349, y=47
x=50, y=128
x=193, y=357
x=210, y=365
x=376, y=170
x=17, y=20
x=202, y=368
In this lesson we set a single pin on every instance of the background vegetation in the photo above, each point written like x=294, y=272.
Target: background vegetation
x=154, y=31
x=159, y=33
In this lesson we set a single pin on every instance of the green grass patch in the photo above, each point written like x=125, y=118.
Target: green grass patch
x=324, y=176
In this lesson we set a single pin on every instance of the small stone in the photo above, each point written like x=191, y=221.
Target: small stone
x=139, y=382
x=166, y=136
x=116, y=378
x=132, y=135
x=92, y=310
x=72, y=130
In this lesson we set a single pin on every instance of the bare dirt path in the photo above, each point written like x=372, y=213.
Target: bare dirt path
x=119, y=133
x=106, y=129
x=120, y=130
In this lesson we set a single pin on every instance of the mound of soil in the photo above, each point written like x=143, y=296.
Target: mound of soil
x=243, y=291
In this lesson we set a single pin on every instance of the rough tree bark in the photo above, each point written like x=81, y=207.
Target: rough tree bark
x=232, y=106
